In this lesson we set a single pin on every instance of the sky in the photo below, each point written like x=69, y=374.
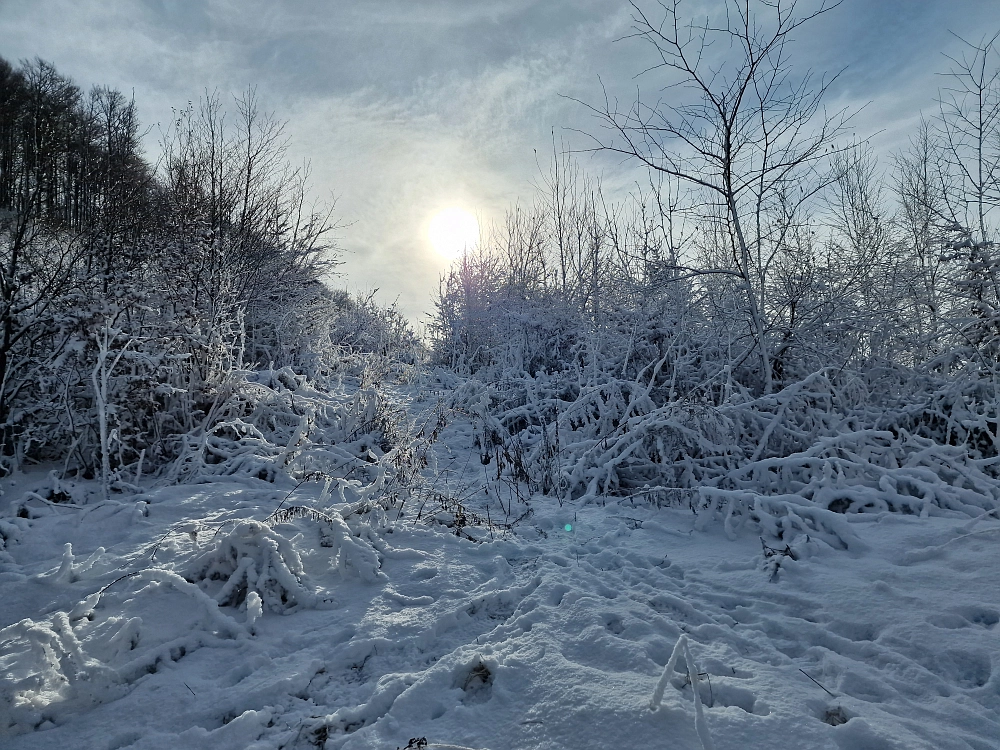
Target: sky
x=407, y=107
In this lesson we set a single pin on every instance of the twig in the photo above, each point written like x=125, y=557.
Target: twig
x=120, y=578
x=285, y=499
x=827, y=691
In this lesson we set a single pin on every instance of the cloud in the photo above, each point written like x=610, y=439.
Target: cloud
x=404, y=107
x=453, y=141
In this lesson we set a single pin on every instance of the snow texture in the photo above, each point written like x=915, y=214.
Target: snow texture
x=364, y=612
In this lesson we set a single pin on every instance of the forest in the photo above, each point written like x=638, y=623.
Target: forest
x=138, y=298
x=775, y=335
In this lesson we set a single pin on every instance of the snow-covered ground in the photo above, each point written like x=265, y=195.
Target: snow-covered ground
x=554, y=636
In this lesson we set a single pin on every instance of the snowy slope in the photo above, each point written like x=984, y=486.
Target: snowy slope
x=554, y=636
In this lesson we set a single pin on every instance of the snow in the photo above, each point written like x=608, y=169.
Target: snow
x=216, y=615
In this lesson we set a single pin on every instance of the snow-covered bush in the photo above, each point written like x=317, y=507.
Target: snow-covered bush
x=254, y=561
x=627, y=349
x=44, y=669
x=9, y=533
x=791, y=463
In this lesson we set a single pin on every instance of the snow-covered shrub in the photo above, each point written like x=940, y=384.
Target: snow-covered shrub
x=355, y=551
x=9, y=534
x=254, y=561
x=367, y=334
x=791, y=463
x=44, y=671
x=962, y=410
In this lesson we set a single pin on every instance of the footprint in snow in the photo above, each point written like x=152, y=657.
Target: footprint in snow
x=964, y=617
x=854, y=631
x=613, y=624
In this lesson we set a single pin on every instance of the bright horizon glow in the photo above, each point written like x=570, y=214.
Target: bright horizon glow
x=453, y=231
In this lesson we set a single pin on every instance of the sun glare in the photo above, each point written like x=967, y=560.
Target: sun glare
x=453, y=231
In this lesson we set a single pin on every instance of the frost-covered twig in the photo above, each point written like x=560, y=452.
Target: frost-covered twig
x=681, y=648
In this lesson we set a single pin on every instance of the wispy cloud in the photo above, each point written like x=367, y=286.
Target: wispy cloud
x=404, y=107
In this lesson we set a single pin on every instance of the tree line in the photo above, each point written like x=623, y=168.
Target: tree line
x=133, y=294
x=763, y=246
x=761, y=221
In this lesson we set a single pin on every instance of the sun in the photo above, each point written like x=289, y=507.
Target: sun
x=453, y=231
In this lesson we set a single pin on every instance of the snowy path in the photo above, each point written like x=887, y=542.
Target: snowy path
x=548, y=639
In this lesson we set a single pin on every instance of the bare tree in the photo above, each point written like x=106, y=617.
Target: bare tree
x=969, y=127
x=749, y=138
x=40, y=249
x=968, y=131
x=254, y=240
x=920, y=187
